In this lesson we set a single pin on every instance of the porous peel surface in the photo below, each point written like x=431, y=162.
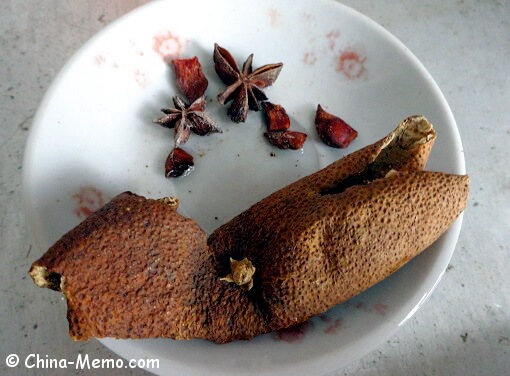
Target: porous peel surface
x=313, y=254
x=138, y=269
x=128, y=268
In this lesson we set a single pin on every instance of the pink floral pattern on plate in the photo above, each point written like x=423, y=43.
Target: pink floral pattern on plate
x=295, y=333
x=168, y=45
x=329, y=323
x=135, y=54
x=87, y=200
x=350, y=60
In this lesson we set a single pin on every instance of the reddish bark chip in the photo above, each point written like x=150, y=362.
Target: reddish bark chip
x=286, y=139
x=178, y=163
x=332, y=130
x=189, y=78
x=276, y=117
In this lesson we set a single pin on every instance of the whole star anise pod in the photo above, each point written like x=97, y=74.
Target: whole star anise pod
x=244, y=86
x=186, y=118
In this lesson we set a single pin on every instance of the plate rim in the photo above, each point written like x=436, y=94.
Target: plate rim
x=451, y=235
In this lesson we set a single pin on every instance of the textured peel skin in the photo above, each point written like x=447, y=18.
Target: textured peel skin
x=138, y=269
x=128, y=268
x=317, y=253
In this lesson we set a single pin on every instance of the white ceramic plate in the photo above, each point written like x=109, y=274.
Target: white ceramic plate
x=93, y=137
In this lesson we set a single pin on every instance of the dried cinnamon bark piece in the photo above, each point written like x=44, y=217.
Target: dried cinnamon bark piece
x=190, y=78
x=332, y=130
x=276, y=117
x=286, y=139
x=178, y=163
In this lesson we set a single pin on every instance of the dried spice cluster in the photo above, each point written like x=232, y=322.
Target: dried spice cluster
x=186, y=117
x=244, y=90
x=278, y=124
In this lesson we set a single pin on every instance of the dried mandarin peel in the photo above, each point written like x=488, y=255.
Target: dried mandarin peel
x=138, y=269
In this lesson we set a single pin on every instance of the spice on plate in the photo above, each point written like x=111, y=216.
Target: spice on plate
x=179, y=162
x=278, y=124
x=190, y=78
x=332, y=130
x=186, y=118
x=244, y=87
x=286, y=139
x=276, y=117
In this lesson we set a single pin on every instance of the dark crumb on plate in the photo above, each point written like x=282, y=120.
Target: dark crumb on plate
x=272, y=154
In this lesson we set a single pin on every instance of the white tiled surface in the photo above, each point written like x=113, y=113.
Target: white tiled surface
x=463, y=329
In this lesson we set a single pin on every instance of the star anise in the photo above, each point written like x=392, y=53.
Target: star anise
x=244, y=86
x=186, y=118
